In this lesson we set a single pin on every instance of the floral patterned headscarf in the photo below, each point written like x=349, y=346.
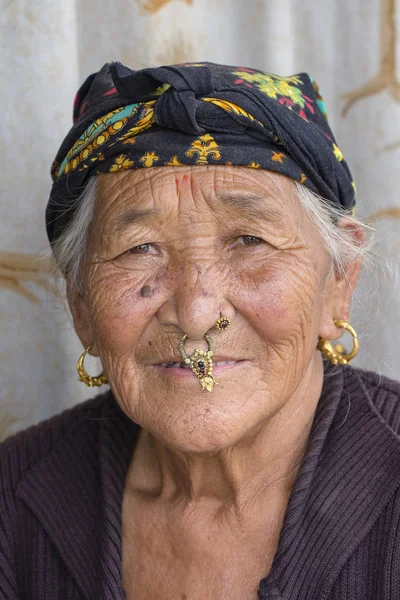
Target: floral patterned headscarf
x=196, y=114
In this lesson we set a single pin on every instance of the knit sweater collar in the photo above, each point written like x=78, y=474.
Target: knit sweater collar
x=348, y=474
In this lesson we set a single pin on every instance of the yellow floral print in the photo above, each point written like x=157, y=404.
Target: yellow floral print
x=278, y=156
x=100, y=157
x=254, y=165
x=337, y=152
x=121, y=162
x=174, y=162
x=230, y=107
x=89, y=143
x=144, y=123
x=273, y=85
x=149, y=159
x=89, y=134
x=161, y=90
x=205, y=147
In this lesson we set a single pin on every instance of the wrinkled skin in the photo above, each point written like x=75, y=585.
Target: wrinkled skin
x=220, y=241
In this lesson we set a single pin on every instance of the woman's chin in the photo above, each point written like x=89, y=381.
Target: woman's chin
x=205, y=433
x=208, y=443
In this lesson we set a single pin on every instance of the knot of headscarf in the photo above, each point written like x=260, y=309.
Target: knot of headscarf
x=196, y=114
x=177, y=108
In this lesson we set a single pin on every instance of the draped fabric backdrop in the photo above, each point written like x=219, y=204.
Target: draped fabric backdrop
x=47, y=48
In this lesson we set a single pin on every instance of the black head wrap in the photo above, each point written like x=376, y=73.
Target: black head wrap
x=197, y=114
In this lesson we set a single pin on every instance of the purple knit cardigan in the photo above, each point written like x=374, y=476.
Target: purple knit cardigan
x=61, y=486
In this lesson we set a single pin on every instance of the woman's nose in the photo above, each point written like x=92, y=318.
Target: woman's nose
x=197, y=303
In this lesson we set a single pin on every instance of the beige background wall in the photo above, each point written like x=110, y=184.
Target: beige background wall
x=48, y=47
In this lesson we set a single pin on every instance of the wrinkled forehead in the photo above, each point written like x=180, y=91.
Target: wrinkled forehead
x=237, y=189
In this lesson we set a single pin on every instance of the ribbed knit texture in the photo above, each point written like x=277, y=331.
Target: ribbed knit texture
x=61, y=487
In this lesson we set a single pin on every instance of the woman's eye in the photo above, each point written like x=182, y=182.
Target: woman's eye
x=142, y=249
x=250, y=240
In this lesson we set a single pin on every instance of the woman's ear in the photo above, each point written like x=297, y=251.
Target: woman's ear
x=78, y=305
x=340, y=285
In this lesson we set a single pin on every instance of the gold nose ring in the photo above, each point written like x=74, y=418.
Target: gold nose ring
x=223, y=323
x=200, y=362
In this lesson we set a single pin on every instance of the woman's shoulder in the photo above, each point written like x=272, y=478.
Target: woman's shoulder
x=19, y=453
x=382, y=393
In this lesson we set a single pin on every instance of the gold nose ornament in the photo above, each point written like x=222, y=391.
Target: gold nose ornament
x=200, y=361
x=223, y=323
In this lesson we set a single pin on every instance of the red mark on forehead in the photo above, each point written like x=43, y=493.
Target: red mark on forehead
x=179, y=181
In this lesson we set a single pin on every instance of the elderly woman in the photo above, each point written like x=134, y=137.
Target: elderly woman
x=230, y=458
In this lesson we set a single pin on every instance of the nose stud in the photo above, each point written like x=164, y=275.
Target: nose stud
x=223, y=323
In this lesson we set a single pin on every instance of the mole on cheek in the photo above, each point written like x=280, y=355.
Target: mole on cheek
x=145, y=292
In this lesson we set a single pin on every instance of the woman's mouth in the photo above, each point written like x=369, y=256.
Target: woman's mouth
x=182, y=365
x=179, y=368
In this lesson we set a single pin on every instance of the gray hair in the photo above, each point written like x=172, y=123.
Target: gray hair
x=70, y=248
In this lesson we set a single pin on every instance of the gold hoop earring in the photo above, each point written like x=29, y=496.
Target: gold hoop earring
x=84, y=376
x=335, y=352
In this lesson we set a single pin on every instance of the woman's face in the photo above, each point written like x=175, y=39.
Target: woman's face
x=170, y=250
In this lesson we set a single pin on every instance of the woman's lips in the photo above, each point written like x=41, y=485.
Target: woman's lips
x=180, y=369
x=182, y=365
